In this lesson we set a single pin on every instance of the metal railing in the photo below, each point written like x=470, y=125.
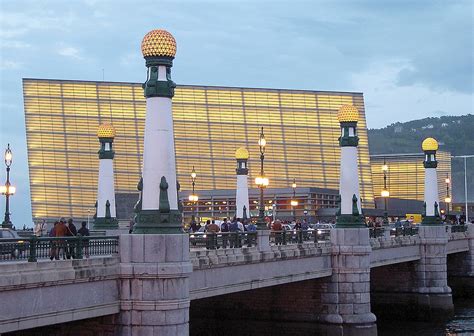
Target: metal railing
x=458, y=228
x=78, y=247
x=404, y=231
x=299, y=236
x=376, y=232
x=394, y=232
x=212, y=241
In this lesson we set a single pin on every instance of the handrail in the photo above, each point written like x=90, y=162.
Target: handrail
x=215, y=240
x=76, y=247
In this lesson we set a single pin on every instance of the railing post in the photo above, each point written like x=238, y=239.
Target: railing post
x=284, y=237
x=300, y=236
x=79, y=251
x=32, y=256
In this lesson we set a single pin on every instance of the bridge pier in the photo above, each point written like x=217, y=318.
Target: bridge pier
x=461, y=268
x=154, y=284
x=346, y=301
x=416, y=290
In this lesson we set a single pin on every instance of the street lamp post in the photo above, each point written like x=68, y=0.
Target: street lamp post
x=465, y=157
x=385, y=193
x=7, y=189
x=294, y=202
x=262, y=182
x=447, y=200
x=193, y=197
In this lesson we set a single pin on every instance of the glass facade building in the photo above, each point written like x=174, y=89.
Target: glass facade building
x=301, y=129
x=406, y=174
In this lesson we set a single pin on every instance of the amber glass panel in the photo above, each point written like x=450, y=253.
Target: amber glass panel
x=210, y=123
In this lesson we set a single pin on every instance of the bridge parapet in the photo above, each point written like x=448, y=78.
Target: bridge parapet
x=202, y=259
x=382, y=242
x=51, y=292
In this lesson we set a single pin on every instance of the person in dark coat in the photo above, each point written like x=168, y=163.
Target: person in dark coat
x=84, y=232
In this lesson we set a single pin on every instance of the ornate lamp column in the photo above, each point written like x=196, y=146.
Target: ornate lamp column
x=157, y=210
x=7, y=189
x=294, y=202
x=349, y=214
x=242, y=192
x=351, y=248
x=105, y=217
x=431, y=213
x=385, y=193
x=154, y=260
x=193, y=197
x=262, y=183
x=447, y=199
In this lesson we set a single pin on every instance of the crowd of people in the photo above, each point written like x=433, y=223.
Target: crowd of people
x=234, y=225
x=63, y=228
x=240, y=225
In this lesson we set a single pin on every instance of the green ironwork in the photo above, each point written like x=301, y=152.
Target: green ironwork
x=354, y=220
x=430, y=163
x=103, y=153
x=239, y=170
x=159, y=88
x=432, y=220
x=159, y=221
x=244, y=214
x=32, y=256
x=345, y=140
x=212, y=241
x=106, y=223
x=164, y=202
x=34, y=248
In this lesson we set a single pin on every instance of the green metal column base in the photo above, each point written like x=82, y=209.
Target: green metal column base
x=6, y=225
x=431, y=220
x=105, y=223
x=350, y=221
x=156, y=222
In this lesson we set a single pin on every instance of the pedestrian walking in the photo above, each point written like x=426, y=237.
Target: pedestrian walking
x=84, y=232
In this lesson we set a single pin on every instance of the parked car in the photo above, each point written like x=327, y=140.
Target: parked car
x=322, y=231
x=15, y=249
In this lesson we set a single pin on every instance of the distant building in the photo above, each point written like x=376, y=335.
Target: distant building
x=210, y=123
x=406, y=175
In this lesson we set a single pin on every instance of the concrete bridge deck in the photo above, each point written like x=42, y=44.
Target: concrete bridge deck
x=35, y=294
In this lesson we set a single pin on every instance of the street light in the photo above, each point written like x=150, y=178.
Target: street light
x=447, y=200
x=465, y=181
x=385, y=193
x=193, y=197
x=262, y=182
x=7, y=189
x=294, y=202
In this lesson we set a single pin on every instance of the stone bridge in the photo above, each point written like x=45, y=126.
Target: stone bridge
x=151, y=284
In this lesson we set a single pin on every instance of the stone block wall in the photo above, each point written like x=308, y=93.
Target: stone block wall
x=154, y=291
x=298, y=301
x=103, y=326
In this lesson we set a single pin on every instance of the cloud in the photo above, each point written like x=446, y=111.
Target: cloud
x=69, y=51
x=9, y=65
x=386, y=101
x=9, y=44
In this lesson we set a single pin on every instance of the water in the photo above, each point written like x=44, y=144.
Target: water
x=461, y=325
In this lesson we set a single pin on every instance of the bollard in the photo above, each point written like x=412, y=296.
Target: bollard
x=79, y=247
x=32, y=256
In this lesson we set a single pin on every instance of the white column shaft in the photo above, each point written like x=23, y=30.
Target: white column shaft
x=349, y=180
x=106, y=188
x=431, y=190
x=158, y=153
x=242, y=196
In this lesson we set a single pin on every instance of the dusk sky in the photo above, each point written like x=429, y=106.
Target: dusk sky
x=411, y=59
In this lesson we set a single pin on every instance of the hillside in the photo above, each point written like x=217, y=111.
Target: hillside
x=454, y=134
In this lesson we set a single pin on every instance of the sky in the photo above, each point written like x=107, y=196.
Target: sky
x=411, y=59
